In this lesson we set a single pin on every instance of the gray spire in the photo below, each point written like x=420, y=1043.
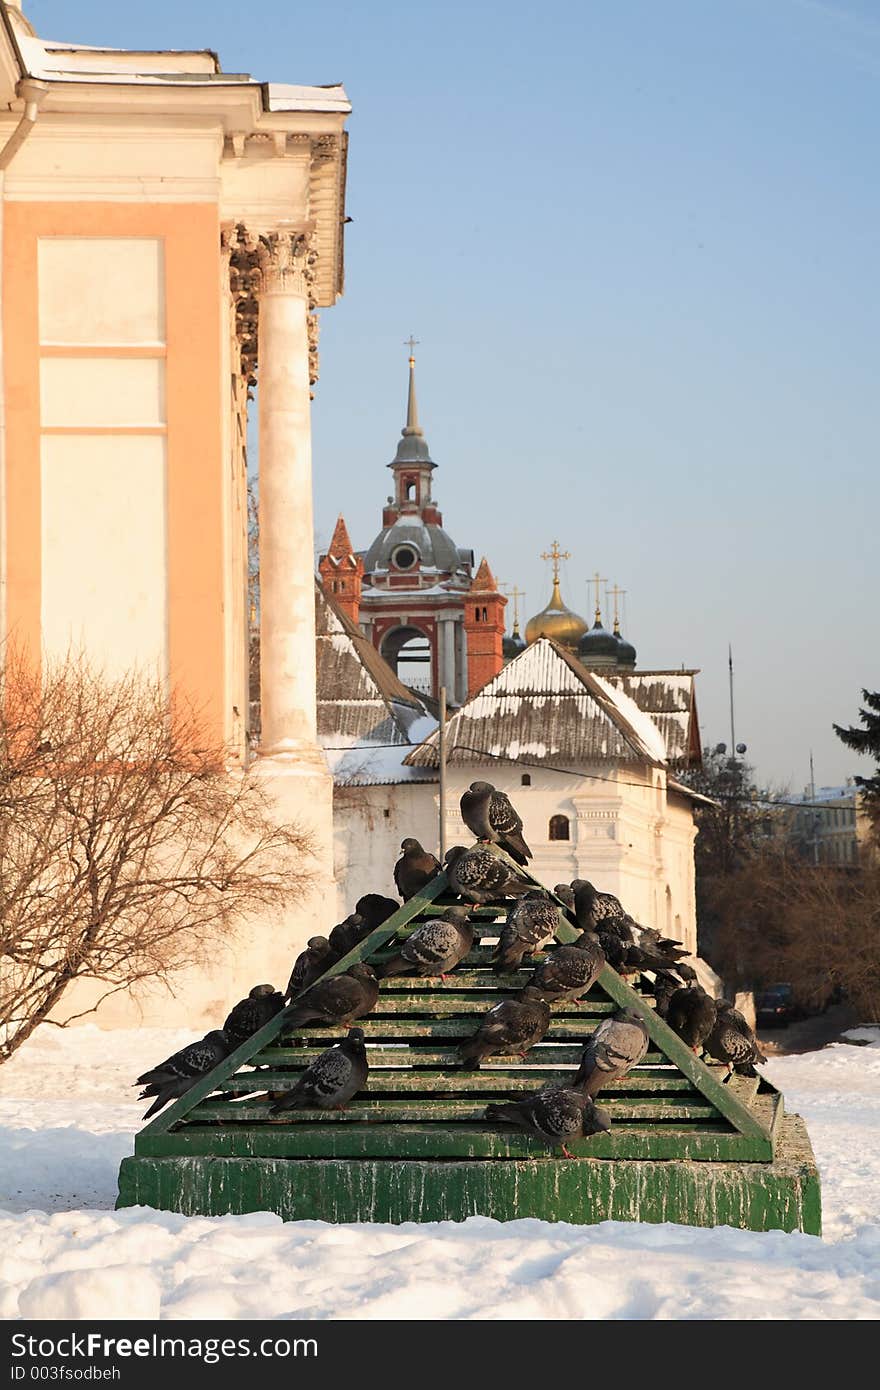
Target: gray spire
x=412, y=410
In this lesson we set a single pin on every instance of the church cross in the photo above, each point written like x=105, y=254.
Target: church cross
x=411, y=343
x=597, y=580
x=618, y=593
x=555, y=554
x=516, y=594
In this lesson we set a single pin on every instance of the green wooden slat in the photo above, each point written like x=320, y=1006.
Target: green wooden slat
x=473, y=1004
x=521, y=1077
x=393, y=1111
x=439, y=1142
x=421, y=1053
x=422, y=1029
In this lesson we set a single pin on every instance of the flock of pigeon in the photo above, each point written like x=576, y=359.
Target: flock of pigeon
x=556, y=1112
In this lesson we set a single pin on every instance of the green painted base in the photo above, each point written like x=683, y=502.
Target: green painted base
x=782, y=1195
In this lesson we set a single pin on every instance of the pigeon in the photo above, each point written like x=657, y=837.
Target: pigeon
x=348, y=934
x=414, y=868
x=691, y=1014
x=585, y=900
x=435, y=947
x=570, y=970
x=310, y=964
x=664, y=987
x=514, y=1025
x=249, y=1015
x=616, y=1046
x=565, y=895
x=733, y=1041
x=531, y=922
x=340, y=999
x=179, y=1073
x=374, y=910
x=490, y=815
x=331, y=1080
x=480, y=876
x=556, y=1113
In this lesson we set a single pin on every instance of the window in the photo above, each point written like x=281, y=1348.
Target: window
x=525, y=780
x=485, y=615
x=476, y=615
x=411, y=486
x=404, y=557
x=559, y=828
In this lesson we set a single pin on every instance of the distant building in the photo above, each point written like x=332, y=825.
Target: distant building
x=830, y=825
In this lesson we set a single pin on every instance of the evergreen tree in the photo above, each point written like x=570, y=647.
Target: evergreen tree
x=867, y=742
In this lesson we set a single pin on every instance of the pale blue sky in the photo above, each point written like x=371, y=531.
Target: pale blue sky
x=639, y=245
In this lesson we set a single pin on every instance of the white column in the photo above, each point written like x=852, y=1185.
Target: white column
x=287, y=592
x=461, y=664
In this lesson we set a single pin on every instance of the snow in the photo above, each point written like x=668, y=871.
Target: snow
x=653, y=742
x=67, y=1116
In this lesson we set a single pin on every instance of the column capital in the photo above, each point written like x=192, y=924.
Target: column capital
x=287, y=262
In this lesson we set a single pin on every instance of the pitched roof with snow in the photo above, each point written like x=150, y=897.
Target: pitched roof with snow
x=545, y=707
x=367, y=719
x=669, y=697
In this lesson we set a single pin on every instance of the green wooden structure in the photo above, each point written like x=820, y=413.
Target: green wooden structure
x=414, y=1146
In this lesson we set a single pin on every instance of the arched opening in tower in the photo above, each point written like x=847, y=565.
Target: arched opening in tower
x=409, y=653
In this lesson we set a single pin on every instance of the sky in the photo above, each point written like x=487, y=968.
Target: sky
x=638, y=245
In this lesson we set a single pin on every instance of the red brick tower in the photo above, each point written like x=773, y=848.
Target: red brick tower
x=484, y=626
x=342, y=572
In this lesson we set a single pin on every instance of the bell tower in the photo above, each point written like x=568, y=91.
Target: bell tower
x=484, y=625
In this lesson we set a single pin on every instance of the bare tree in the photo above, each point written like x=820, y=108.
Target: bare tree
x=126, y=846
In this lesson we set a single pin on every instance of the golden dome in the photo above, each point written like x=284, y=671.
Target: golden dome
x=556, y=621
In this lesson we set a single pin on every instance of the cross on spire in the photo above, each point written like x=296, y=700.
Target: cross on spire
x=618, y=593
x=555, y=554
x=411, y=343
x=516, y=594
x=597, y=580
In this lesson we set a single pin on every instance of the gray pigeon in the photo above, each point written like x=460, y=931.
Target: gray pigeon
x=339, y=999
x=664, y=988
x=514, y=1025
x=617, y=1045
x=565, y=895
x=250, y=1015
x=691, y=1014
x=585, y=904
x=310, y=964
x=180, y=1072
x=480, y=876
x=331, y=1080
x=414, y=868
x=732, y=1041
x=556, y=1113
x=348, y=934
x=531, y=922
x=490, y=816
x=435, y=947
x=570, y=971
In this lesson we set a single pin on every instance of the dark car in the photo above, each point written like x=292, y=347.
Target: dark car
x=775, y=1006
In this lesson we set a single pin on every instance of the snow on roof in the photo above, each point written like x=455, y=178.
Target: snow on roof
x=544, y=706
x=54, y=61
x=669, y=698
x=367, y=719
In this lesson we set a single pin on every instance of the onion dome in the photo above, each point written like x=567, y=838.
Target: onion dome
x=512, y=644
x=598, y=646
x=556, y=621
x=626, y=652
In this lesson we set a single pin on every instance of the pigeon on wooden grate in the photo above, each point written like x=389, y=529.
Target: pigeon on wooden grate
x=732, y=1041
x=310, y=964
x=180, y=1072
x=555, y=1113
x=570, y=971
x=490, y=816
x=374, y=910
x=691, y=1014
x=564, y=893
x=348, y=934
x=531, y=922
x=331, y=1080
x=339, y=999
x=435, y=947
x=617, y=1045
x=513, y=1025
x=251, y=1014
x=480, y=876
x=664, y=988
x=415, y=867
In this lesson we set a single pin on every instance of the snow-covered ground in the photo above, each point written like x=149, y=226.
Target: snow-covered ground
x=67, y=1118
